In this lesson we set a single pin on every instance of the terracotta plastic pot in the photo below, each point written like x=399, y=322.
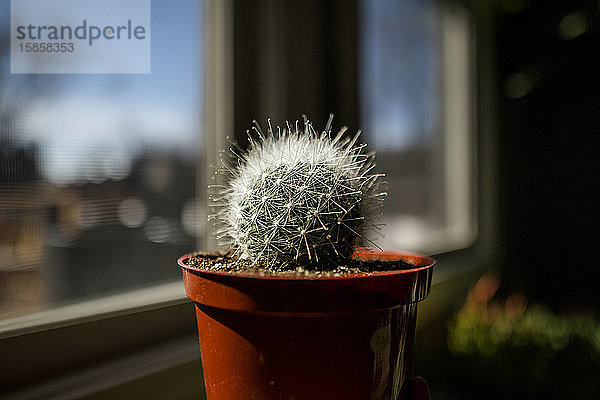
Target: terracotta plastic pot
x=267, y=337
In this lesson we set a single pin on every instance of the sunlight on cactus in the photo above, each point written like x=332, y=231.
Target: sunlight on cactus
x=299, y=199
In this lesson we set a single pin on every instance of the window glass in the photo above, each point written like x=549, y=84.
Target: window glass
x=408, y=70
x=97, y=171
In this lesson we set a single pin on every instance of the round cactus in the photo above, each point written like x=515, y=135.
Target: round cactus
x=298, y=199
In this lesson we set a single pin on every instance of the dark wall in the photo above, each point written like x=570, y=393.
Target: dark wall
x=549, y=126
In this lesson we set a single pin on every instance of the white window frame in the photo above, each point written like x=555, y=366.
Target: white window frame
x=458, y=124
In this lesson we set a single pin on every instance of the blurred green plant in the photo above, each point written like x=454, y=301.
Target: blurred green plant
x=485, y=324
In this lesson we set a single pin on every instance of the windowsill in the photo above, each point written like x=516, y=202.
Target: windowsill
x=118, y=372
x=50, y=345
x=134, y=301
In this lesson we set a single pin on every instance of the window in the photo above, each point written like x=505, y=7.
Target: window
x=415, y=103
x=98, y=171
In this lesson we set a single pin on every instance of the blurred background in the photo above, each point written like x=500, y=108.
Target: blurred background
x=483, y=116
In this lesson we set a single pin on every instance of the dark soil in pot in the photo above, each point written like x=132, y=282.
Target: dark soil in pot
x=227, y=262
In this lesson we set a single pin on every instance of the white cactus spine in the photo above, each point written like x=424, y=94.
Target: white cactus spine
x=299, y=199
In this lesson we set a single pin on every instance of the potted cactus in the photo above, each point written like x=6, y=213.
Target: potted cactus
x=299, y=307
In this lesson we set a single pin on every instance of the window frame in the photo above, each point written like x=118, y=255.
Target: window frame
x=154, y=317
x=459, y=124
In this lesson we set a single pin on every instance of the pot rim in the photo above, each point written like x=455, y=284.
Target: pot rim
x=421, y=263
